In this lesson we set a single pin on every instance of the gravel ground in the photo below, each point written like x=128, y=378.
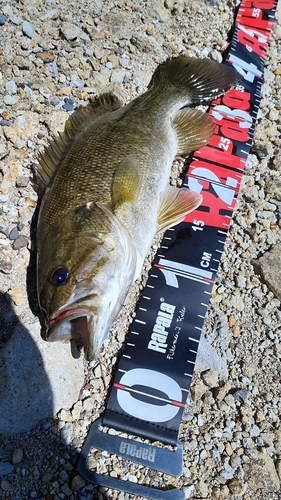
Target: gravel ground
x=56, y=55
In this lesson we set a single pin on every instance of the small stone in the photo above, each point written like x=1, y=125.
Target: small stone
x=193, y=469
x=22, y=180
x=77, y=410
x=222, y=391
x=10, y=100
x=235, y=486
x=66, y=490
x=240, y=281
x=16, y=20
x=77, y=483
x=78, y=84
x=202, y=489
x=6, y=262
x=267, y=438
x=241, y=395
x=3, y=19
x=68, y=104
x=5, y=485
x=114, y=60
x=27, y=29
x=65, y=415
x=268, y=266
x=17, y=456
x=216, y=55
x=52, y=67
x=20, y=242
x=198, y=390
x=210, y=378
x=260, y=472
x=14, y=234
x=70, y=31
x=47, y=56
x=5, y=468
x=16, y=295
x=254, y=431
x=11, y=87
x=47, y=477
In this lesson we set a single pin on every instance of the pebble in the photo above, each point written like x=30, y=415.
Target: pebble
x=269, y=267
x=260, y=472
x=240, y=281
x=210, y=378
x=27, y=29
x=5, y=468
x=68, y=104
x=6, y=262
x=3, y=19
x=20, y=242
x=241, y=395
x=10, y=100
x=5, y=485
x=14, y=234
x=77, y=483
x=11, y=87
x=70, y=31
x=17, y=456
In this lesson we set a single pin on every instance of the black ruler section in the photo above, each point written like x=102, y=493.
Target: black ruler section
x=156, y=366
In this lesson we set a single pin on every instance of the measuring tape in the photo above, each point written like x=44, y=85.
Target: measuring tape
x=156, y=366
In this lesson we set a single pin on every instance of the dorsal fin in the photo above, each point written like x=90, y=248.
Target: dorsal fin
x=59, y=145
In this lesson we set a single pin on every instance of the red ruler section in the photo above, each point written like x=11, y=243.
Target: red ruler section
x=156, y=366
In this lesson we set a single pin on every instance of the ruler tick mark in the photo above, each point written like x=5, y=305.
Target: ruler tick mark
x=141, y=322
x=193, y=339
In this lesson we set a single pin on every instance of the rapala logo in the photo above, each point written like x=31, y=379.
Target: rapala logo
x=159, y=334
x=132, y=450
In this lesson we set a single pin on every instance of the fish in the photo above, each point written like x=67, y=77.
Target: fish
x=106, y=190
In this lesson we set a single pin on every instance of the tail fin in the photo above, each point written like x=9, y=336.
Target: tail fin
x=200, y=79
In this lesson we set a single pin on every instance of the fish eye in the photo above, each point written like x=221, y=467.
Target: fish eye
x=59, y=276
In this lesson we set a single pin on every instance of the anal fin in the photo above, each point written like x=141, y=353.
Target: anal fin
x=193, y=129
x=175, y=204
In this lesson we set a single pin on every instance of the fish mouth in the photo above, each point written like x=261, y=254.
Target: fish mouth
x=70, y=324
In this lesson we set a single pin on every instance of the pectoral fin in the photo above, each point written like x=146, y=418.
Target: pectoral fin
x=193, y=129
x=175, y=204
x=126, y=182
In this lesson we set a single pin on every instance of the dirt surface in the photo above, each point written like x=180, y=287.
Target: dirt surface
x=55, y=56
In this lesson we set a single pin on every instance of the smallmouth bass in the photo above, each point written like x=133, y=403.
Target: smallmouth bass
x=107, y=193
